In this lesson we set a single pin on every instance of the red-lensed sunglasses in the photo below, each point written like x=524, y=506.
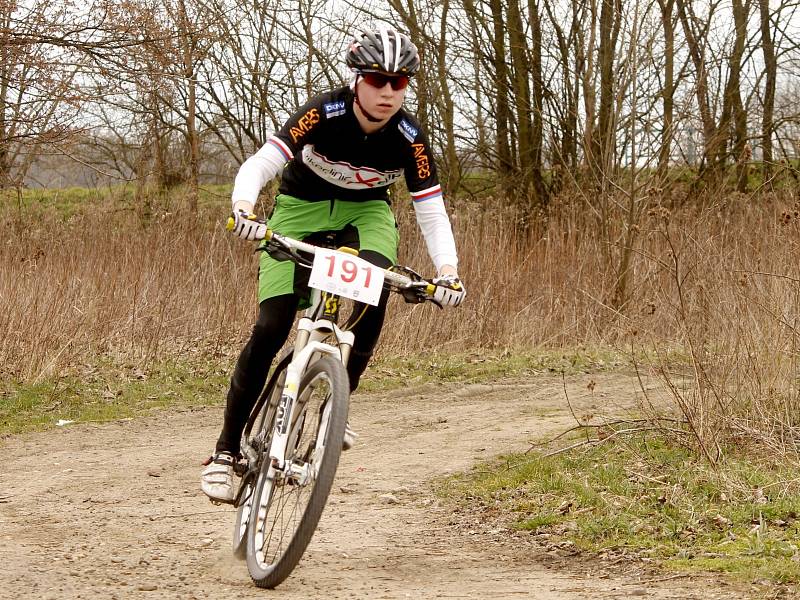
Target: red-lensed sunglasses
x=379, y=80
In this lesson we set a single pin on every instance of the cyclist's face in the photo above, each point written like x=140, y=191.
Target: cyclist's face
x=378, y=96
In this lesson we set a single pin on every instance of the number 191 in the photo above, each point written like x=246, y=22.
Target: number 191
x=349, y=270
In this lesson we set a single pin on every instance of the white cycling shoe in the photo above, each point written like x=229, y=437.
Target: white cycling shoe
x=349, y=437
x=216, y=480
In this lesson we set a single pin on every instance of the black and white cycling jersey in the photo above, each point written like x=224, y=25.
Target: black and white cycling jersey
x=325, y=155
x=331, y=157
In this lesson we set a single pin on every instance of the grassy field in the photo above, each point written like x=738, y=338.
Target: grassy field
x=108, y=392
x=643, y=496
x=113, y=309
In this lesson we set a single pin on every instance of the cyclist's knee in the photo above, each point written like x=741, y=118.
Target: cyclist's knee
x=376, y=258
x=275, y=318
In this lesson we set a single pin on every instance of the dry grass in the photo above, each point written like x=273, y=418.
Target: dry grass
x=100, y=284
x=727, y=285
x=718, y=286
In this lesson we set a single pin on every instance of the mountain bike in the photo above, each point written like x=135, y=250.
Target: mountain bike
x=293, y=438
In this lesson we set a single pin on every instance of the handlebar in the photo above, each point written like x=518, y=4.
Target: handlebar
x=411, y=285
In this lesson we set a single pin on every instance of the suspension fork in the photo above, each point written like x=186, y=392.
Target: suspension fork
x=317, y=326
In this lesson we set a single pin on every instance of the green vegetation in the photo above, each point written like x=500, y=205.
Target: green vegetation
x=64, y=203
x=647, y=496
x=106, y=392
x=394, y=372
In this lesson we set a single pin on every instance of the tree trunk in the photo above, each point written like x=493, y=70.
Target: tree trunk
x=522, y=98
x=712, y=137
x=537, y=106
x=482, y=146
x=505, y=166
x=605, y=135
x=734, y=119
x=192, y=138
x=5, y=67
x=770, y=70
x=566, y=157
x=448, y=111
x=668, y=91
x=585, y=72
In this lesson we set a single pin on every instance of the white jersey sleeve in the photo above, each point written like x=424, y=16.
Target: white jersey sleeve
x=259, y=169
x=435, y=226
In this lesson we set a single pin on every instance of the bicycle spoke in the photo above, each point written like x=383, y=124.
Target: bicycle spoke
x=286, y=519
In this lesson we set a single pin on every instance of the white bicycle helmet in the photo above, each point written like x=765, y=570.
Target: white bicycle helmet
x=383, y=50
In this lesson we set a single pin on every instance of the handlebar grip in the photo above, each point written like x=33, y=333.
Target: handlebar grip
x=231, y=223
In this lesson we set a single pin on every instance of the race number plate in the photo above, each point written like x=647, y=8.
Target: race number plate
x=346, y=275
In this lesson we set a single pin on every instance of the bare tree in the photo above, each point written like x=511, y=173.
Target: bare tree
x=564, y=107
x=39, y=99
x=668, y=86
x=734, y=117
x=604, y=139
x=771, y=72
x=503, y=141
x=50, y=51
x=250, y=80
x=535, y=95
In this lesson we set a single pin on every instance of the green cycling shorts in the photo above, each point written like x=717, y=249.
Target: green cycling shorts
x=296, y=218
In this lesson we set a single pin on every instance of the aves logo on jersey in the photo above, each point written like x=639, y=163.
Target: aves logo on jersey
x=423, y=162
x=304, y=124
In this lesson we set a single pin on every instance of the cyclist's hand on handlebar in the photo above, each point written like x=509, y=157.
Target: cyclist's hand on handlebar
x=449, y=290
x=247, y=226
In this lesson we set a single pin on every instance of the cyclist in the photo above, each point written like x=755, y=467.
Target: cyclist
x=338, y=155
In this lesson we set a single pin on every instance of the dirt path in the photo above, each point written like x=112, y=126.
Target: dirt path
x=115, y=511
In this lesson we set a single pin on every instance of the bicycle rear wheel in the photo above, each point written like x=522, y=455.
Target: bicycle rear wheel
x=286, y=510
x=258, y=435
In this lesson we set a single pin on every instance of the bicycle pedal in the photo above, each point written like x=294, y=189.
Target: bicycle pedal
x=216, y=502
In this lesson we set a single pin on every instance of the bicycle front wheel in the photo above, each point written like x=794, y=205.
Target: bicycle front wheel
x=258, y=435
x=286, y=509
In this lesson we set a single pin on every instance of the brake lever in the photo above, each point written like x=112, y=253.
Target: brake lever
x=282, y=252
x=417, y=293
